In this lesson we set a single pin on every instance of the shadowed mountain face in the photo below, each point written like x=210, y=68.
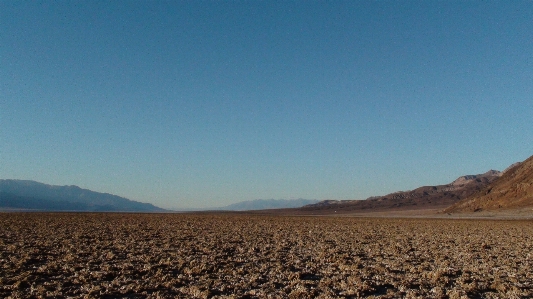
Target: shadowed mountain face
x=23, y=194
x=513, y=190
x=427, y=197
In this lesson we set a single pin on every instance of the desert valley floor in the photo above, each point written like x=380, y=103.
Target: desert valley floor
x=68, y=255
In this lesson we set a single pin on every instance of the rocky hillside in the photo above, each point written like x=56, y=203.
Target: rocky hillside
x=31, y=195
x=513, y=190
x=427, y=197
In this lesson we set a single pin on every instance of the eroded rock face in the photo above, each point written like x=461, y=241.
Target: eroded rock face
x=238, y=256
x=513, y=190
x=422, y=198
x=466, y=179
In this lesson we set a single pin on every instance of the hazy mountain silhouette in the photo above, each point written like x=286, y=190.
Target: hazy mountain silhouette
x=265, y=204
x=25, y=194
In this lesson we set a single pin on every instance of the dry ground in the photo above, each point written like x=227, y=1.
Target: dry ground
x=237, y=256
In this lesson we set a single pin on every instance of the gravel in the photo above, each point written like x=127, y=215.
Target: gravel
x=69, y=255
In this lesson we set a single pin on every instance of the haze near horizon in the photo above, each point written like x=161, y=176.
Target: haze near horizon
x=191, y=104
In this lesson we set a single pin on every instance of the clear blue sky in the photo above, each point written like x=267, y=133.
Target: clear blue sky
x=202, y=104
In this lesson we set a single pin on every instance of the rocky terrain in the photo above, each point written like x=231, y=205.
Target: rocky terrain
x=513, y=190
x=91, y=255
x=433, y=198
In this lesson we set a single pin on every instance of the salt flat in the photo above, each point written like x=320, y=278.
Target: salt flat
x=108, y=255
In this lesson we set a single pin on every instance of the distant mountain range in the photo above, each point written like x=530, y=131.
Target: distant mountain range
x=490, y=191
x=265, y=204
x=31, y=195
x=494, y=191
x=427, y=197
x=513, y=190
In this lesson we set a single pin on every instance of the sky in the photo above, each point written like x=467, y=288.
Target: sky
x=195, y=104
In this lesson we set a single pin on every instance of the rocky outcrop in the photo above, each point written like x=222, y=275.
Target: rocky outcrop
x=427, y=197
x=513, y=190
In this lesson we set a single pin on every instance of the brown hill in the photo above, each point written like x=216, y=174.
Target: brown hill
x=423, y=198
x=513, y=190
